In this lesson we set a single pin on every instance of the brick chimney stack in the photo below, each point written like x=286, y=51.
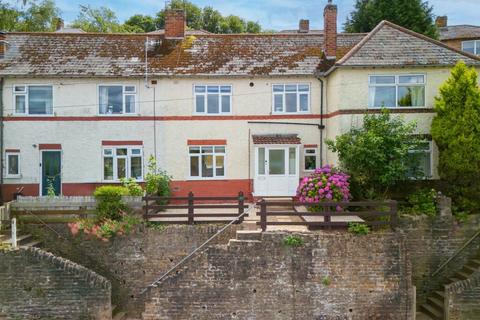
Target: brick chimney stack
x=175, y=24
x=441, y=21
x=304, y=26
x=330, y=30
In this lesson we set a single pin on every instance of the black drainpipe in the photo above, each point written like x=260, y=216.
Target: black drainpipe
x=322, y=127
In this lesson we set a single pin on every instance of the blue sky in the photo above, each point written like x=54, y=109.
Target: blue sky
x=272, y=14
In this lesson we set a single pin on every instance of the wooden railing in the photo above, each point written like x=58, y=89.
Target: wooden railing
x=371, y=213
x=158, y=207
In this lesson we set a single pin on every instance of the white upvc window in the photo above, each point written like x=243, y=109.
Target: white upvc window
x=122, y=162
x=33, y=99
x=472, y=47
x=392, y=91
x=207, y=162
x=421, y=161
x=291, y=98
x=117, y=99
x=310, y=159
x=12, y=160
x=213, y=99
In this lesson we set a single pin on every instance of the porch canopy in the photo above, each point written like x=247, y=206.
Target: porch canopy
x=276, y=139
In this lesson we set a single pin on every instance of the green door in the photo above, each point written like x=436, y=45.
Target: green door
x=51, y=172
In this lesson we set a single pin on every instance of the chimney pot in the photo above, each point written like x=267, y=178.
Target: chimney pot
x=175, y=24
x=441, y=21
x=304, y=26
x=330, y=30
x=60, y=24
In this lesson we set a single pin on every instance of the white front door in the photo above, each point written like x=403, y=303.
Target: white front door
x=276, y=170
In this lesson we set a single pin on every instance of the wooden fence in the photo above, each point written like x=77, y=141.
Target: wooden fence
x=163, y=209
x=5, y=215
x=371, y=213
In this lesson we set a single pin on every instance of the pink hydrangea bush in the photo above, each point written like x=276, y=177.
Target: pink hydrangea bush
x=325, y=184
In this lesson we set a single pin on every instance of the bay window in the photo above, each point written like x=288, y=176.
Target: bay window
x=122, y=162
x=397, y=91
x=212, y=99
x=33, y=99
x=117, y=99
x=291, y=98
x=207, y=162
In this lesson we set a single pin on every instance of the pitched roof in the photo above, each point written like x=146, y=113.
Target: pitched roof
x=459, y=32
x=187, y=32
x=391, y=45
x=276, y=139
x=87, y=54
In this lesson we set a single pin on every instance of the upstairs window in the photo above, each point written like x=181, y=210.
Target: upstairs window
x=421, y=161
x=122, y=162
x=207, y=162
x=211, y=100
x=12, y=164
x=291, y=98
x=397, y=91
x=117, y=99
x=33, y=99
x=472, y=47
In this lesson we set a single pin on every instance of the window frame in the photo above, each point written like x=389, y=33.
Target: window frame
x=428, y=176
x=124, y=94
x=305, y=154
x=27, y=105
x=128, y=162
x=7, y=164
x=298, y=97
x=199, y=156
x=476, y=45
x=397, y=85
x=205, y=113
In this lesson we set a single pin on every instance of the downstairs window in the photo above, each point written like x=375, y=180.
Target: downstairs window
x=207, y=162
x=122, y=162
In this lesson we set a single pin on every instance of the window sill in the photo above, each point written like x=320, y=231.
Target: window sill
x=207, y=179
x=399, y=108
x=211, y=114
x=290, y=113
x=17, y=176
x=118, y=114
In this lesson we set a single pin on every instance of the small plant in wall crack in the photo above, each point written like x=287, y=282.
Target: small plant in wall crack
x=358, y=228
x=326, y=281
x=293, y=241
x=50, y=188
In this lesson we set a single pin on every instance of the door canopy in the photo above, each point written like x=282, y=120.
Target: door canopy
x=276, y=139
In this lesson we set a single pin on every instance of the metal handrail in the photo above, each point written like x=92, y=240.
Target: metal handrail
x=155, y=283
x=466, y=244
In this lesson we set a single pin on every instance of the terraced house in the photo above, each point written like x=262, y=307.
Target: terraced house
x=221, y=113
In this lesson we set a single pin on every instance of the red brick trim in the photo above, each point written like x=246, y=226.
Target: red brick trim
x=12, y=150
x=218, y=142
x=310, y=145
x=49, y=146
x=122, y=143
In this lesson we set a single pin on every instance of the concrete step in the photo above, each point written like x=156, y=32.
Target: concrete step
x=431, y=312
x=235, y=242
x=33, y=243
x=440, y=295
x=250, y=225
x=475, y=262
x=470, y=268
x=462, y=275
x=21, y=240
x=249, y=235
x=119, y=316
x=436, y=303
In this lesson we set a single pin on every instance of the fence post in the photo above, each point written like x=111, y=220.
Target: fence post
x=14, y=232
x=393, y=214
x=145, y=214
x=241, y=202
x=190, y=208
x=263, y=215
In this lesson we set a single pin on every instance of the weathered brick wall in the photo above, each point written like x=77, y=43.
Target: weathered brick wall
x=369, y=279
x=430, y=242
x=35, y=284
x=463, y=299
x=130, y=262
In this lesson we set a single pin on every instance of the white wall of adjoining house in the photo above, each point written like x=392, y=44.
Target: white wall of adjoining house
x=173, y=96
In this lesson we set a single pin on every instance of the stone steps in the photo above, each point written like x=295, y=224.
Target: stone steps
x=25, y=240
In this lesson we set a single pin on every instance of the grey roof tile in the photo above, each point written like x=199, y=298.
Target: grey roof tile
x=459, y=32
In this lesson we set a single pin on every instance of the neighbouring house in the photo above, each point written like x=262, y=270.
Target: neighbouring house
x=221, y=113
x=462, y=37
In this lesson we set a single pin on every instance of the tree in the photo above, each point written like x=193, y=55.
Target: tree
x=456, y=131
x=233, y=24
x=34, y=17
x=416, y=15
x=253, y=27
x=98, y=20
x=376, y=155
x=141, y=23
x=211, y=20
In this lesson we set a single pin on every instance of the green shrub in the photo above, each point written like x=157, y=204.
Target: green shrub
x=358, y=228
x=109, y=202
x=421, y=202
x=157, y=182
x=134, y=189
x=293, y=241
